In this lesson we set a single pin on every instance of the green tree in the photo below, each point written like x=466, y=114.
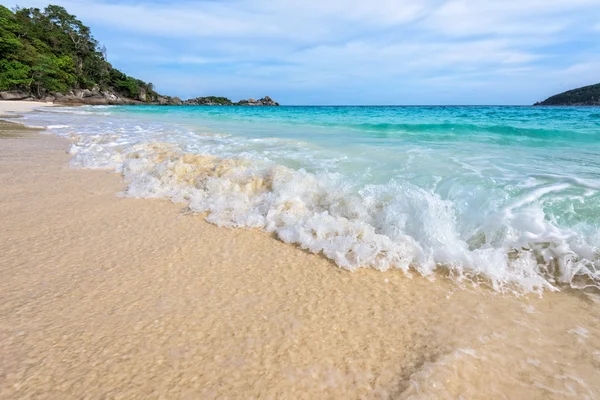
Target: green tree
x=51, y=50
x=14, y=75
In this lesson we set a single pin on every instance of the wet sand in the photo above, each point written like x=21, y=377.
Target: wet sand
x=107, y=297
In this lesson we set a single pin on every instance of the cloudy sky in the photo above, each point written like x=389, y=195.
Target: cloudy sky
x=352, y=51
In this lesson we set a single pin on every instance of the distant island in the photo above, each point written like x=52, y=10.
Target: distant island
x=49, y=55
x=224, y=101
x=583, y=96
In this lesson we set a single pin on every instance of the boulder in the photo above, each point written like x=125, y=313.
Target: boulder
x=109, y=96
x=96, y=101
x=13, y=95
x=142, y=96
x=162, y=100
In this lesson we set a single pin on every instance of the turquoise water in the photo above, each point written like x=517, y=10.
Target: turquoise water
x=510, y=195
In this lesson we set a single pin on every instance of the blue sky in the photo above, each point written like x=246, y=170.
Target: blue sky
x=351, y=52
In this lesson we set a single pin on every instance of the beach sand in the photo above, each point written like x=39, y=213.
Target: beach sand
x=7, y=107
x=108, y=297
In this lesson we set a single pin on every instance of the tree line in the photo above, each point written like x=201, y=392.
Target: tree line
x=50, y=50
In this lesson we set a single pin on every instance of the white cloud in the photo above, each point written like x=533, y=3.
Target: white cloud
x=349, y=46
x=300, y=21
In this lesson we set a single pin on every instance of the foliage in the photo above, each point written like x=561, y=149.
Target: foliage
x=50, y=50
x=587, y=95
x=224, y=101
x=220, y=100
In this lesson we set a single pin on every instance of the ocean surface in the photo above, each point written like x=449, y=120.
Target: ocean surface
x=502, y=196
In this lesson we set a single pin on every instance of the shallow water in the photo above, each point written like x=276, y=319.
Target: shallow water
x=507, y=195
x=250, y=315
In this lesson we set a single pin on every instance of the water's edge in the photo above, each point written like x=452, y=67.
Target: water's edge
x=398, y=224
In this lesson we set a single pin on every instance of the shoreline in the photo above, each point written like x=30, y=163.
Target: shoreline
x=19, y=106
x=109, y=297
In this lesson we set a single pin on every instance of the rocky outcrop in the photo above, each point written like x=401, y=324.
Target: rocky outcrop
x=583, y=96
x=94, y=97
x=265, y=101
x=14, y=95
x=168, y=101
x=224, y=101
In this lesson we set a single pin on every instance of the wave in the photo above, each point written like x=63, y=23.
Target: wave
x=453, y=128
x=80, y=110
x=391, y=226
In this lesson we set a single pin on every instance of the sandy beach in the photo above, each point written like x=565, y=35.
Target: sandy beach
x=110, y=297
x=11, y=107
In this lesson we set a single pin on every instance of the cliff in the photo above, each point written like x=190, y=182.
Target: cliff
x=583, y=96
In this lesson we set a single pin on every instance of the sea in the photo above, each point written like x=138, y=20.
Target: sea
x=505, y=197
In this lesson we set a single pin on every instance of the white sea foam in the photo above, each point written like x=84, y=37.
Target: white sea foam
x=397, y=225
x=57, y=126
x=471, y=231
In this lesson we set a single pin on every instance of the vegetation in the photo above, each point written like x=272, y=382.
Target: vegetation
x=222, y=101
x=210, y=101
x=50, y=50
x=583, y=96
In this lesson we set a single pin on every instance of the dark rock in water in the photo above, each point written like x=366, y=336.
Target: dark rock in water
x=265, y=101
x=583, y=96
x=168, y=101
x=14, y=95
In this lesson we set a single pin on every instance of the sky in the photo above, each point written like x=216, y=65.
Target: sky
x=369, y=52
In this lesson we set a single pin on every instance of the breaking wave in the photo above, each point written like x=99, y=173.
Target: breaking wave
x=518, y=214
x=396, y=225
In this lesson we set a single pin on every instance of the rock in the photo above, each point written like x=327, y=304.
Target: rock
x=14, y=95
x=162, y=100
x=109, y=96
x=49, y=99
x=96, y=101
x=82, y=93
x=265, y=101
